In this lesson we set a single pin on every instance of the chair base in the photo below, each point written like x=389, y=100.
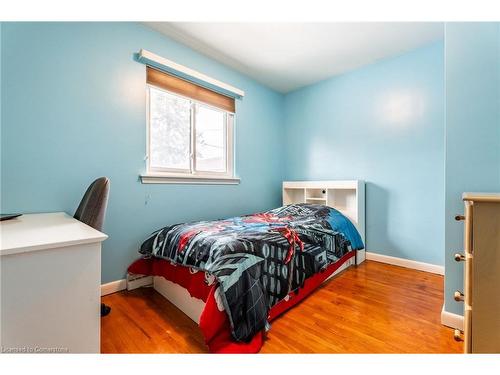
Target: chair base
x=105, y=310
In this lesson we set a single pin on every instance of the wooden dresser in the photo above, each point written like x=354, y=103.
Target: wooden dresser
x=481, y=293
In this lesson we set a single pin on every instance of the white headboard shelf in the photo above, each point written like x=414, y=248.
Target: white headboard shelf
x=347, y=196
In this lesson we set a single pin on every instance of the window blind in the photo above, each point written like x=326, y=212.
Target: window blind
x=191, y=90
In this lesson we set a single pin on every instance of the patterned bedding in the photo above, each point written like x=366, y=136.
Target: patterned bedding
x=258, y=259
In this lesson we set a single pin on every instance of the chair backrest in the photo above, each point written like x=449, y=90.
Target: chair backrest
x=92, y=208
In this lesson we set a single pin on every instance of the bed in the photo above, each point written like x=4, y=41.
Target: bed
x=235, y=276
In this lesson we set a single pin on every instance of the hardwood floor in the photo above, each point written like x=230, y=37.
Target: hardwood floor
x=374, y=308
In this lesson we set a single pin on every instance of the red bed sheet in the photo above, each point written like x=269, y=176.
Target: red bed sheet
x=214, y=323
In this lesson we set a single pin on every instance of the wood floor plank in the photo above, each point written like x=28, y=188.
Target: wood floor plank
x=372, y=308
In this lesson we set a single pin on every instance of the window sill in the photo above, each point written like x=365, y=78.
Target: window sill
x=158, y=178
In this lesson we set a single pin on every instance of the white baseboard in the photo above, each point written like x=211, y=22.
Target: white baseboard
x=113, y=287
x=138, y=281
x=131, y=283
x=421, y=266
x=452, y=320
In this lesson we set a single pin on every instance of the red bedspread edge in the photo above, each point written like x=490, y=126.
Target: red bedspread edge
x=214, y=323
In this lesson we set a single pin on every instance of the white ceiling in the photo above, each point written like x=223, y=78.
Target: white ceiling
x=286, y=56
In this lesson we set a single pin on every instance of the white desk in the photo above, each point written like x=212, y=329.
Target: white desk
x=50, y=284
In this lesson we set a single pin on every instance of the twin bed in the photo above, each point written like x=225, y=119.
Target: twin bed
x=234, y=276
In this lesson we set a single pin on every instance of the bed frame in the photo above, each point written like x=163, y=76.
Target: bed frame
x=348, y=197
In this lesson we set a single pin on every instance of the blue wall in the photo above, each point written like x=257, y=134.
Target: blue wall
x=75, y=110
x=0, y=88
x=472, y=130
x=383, y=123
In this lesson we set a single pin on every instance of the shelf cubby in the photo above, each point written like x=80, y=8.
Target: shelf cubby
x=347, y=196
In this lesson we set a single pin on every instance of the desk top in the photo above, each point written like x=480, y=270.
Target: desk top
x=33, y=232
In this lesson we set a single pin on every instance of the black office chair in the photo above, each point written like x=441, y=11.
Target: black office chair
x=92, y=210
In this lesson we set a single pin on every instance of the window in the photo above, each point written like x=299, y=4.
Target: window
x=190, y=131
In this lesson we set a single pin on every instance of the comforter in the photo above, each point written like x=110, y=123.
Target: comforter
x=257, y=259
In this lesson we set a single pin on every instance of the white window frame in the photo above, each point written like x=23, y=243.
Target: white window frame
x=191, y=175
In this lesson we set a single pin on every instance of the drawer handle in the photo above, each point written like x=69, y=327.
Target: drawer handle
x=459, y=257
x=458, y=296
x=457, y=335
x=459, y=217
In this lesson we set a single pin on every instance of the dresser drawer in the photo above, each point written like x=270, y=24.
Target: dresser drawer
x=468, y=273
x=467, y=329
x=468, y=227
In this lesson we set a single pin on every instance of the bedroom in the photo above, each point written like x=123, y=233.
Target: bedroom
x=361, y=131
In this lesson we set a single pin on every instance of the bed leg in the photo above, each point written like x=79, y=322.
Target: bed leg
x=355, y=258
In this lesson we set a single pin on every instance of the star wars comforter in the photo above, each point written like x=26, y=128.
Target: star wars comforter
x=258, y=259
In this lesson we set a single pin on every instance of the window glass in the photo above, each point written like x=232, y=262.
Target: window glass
x=170, y=131
x=210, y=139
